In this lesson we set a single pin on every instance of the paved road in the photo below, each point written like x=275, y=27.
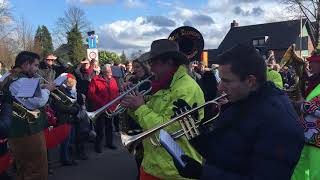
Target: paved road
x=109, y=165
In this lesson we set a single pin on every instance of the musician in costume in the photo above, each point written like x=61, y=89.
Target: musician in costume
x=257, y=135
x=26, y=138
x=308, y=166
x=171, y=82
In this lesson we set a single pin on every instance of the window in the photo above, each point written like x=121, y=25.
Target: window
x=259, y=42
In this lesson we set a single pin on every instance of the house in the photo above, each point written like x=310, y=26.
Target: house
x=276, y=36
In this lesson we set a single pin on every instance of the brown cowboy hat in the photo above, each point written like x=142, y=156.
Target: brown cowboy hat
x=164, y=47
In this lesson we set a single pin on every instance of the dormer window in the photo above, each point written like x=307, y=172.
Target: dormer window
x=261, y=41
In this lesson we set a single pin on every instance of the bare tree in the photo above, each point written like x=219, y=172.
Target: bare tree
x=311, y=10
x=73, y=16
x=6, y=29
x=24, y=35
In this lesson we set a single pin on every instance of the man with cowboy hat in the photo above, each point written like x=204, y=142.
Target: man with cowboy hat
x=171, y=83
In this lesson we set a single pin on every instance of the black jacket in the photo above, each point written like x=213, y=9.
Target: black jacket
x=256, y=138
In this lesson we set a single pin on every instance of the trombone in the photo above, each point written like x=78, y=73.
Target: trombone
x=120, y=109
x=189, y=126
x=59, y=95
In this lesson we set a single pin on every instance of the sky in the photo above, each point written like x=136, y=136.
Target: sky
x=131, y=25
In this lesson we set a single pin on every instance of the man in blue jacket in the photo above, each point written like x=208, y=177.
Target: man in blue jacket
x=257, y=136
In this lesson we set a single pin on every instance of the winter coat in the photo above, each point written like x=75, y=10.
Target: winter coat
x=255, y=138
x=47, y=72
x=100, y=92
x=275, y=77
x=158, y=110
x=83, y=78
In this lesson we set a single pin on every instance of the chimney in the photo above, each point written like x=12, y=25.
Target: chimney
x=234, y=24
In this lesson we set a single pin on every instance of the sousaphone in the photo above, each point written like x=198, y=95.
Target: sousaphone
x=190, y=42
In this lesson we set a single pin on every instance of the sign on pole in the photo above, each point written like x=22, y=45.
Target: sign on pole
x=93, y=54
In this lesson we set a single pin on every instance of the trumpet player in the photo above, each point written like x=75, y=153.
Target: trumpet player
x=26, y=138
x=257, y=136
x=171, y=82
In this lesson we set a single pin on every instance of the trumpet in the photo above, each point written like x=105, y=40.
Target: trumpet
x=59, y=95
x=120, y=109
x=189, y=126
x=95, y=114
x=20, y=111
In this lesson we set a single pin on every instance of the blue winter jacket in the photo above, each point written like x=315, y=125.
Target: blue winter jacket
x=256, y=138
x=5, y=120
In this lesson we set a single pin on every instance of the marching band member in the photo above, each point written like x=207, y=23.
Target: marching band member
x=26, y=137
x=102, y=89
x=172, y=82
x=257, y=136
x=66, y=114
x=308, y=166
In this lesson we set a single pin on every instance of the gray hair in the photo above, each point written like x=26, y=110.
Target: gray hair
x=104, y=67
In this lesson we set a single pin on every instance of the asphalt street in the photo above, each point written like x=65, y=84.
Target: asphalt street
x=109, y=165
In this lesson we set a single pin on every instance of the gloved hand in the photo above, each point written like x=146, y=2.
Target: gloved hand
x=192, y=168
x=181, y=106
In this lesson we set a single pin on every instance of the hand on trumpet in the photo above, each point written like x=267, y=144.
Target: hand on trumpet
x=220, y=102
x=181, y=106
x=50, y=86
x=126, y=85
x=133, y=101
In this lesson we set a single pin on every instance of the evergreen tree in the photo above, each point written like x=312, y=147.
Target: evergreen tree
x=47, y=47
x=43, y=42
x=123, y=57
x=75, y=45
x=37, y=41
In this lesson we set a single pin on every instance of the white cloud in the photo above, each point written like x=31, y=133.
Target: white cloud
x=128, y=35
x=212, y=20
x=90, y=2
x=134, y=4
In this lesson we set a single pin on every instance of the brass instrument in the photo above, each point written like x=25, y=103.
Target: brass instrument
x=20, y=111
x=120, y=109
x=189, y=126
x=290, y=58
x=59, y=95
x=190, y=42
x=95, y=114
